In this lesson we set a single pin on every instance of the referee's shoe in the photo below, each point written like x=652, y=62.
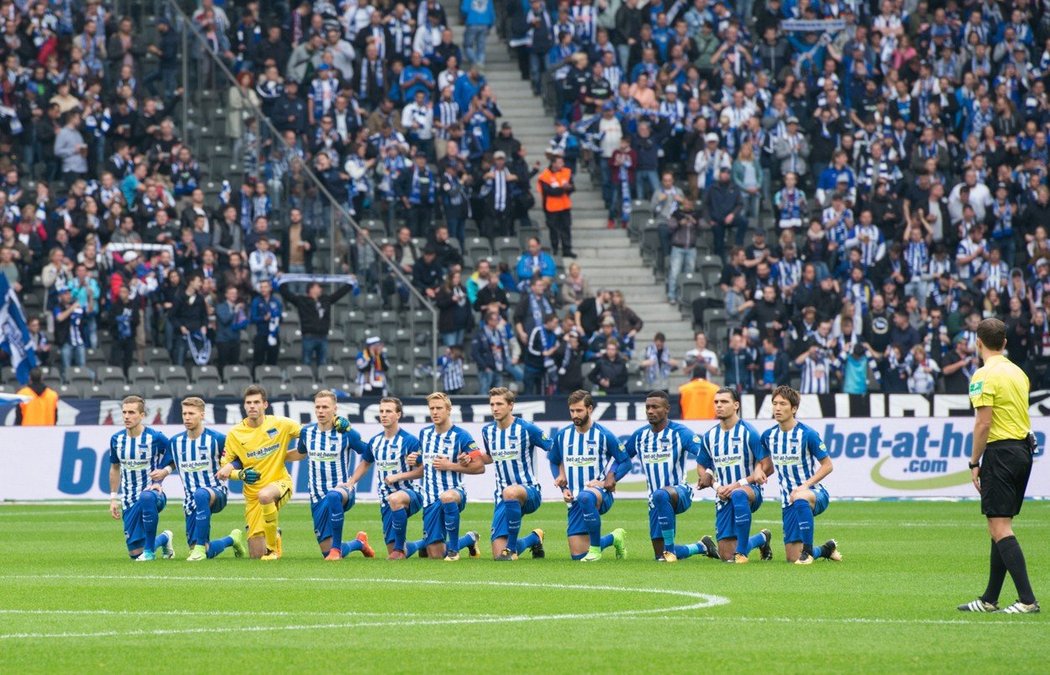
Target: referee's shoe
x=1020, y=608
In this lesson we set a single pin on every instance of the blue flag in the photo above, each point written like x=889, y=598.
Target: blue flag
x=14, y=333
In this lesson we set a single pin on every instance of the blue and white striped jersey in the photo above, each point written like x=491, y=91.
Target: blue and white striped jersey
x=663, y=453
x=512, y=452
x=137, y=456
x=329, y=457
x=449, y=445
x=795, y=455
x=390, y=454
x=198, y=460
x=731, y=454
x=585, y=455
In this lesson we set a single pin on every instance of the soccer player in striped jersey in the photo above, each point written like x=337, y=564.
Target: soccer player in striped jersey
x=580, y=458
x=445, y=452
x=197, y=453
x=259, y=444
x=133, y=496
x=801, y=461
x=662, y=447
x=509, y=444
x=327, y=444
x=733, y=461
x=399, y=496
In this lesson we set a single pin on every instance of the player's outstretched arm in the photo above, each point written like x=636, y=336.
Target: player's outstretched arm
x=295, y=455
x=415, y=473
x=359, y=472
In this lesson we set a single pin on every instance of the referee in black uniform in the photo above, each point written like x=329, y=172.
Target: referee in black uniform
x=1003, y=447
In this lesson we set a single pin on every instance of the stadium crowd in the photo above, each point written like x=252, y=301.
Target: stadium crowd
x=897, y=154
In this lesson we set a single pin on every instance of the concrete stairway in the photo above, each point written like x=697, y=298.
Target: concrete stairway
x=608, y=257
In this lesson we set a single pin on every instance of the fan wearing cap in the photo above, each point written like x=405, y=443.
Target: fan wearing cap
x=500, y=186
x=792, y=149
x=708, y=162
x=372, y=368
x=555, y=185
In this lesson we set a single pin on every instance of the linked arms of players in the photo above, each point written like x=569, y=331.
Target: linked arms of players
x=470, y=463
x=759, y=475
x=820, y=474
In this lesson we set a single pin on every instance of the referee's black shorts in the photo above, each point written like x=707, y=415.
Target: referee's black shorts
x=1004, y=477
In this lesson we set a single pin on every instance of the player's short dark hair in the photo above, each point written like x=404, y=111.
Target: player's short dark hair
x=581, y=396
x=992, y=334
x=788, y=394
x=255, y=390
x=504, y=393
x=394, y=400
x=662, y=395
x=134, y=400
x=733, y=393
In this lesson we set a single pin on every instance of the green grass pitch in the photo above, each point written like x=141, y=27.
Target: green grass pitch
x=70, y=600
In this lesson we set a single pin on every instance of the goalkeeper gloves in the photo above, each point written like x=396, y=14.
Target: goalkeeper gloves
x=341, y=424
x=249, y=476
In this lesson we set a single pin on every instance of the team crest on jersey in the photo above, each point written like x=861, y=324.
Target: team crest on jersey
x=795, y=446
x=592, y=446
x=736, y=446
x=271, y=433
x=696, y=439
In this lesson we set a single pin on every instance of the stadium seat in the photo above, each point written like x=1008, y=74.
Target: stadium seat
x=206, y=374
x=173, y=375
x=304, y=390
x=269, y=373
x=143, y=374
x=331, y=374
x=109, y=374
x=67, y=390
x=95, y=391
x=507, y=249
x=80, y=376
x=479, y=248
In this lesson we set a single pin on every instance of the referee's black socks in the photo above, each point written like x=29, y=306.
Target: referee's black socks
x=1013, y=559
x=996, y=576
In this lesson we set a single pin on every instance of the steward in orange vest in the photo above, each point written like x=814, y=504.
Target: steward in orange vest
x=41, y=410
x=555, y=185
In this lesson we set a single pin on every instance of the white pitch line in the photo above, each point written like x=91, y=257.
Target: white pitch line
x=179, y=612
x=705, y=601
x=848, y=620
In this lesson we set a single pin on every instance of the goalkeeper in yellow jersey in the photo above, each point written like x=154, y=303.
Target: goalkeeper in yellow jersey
x=255, y=453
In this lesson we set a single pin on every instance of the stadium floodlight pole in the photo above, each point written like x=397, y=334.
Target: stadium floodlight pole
x=309, y=173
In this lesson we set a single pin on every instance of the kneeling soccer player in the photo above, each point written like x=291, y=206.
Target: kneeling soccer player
x=399, y=496
x=197, y=453
x=579, y=460
x=259, y=444
x=662, y=446
x=133, y=454
x=801, y=461
x=732, y=452
x=446, y=453
x=509, y=445
x=327, y=444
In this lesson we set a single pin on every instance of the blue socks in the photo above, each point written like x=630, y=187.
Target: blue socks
x=399, y=523
x=742, y=521
x=513, y=509
x=579, y=556
x=349, y=547
x=683, y=552
x=605, y=542
x=804, y=515
x=451, y=512
x=413, y=546
x=202, y=512
x=148, y=499
x=525, y=543
x=591, y=520
x=217, y=547
x=665, y=517
x=334, y=501
x=464, y=542
x=160, y=540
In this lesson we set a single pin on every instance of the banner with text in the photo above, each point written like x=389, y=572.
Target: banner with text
x=873, y=458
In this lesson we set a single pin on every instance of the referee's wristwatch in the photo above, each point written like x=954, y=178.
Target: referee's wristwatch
x=973, y=465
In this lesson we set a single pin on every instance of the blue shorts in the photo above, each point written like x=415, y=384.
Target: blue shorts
x=725, y=523
x=191, y=518
x=792, y=533
x=134, y=531
x=685, y=500
x=415, y=503
x=434, y=519
x=323, y=517
x=576, y=524
x=533, y=499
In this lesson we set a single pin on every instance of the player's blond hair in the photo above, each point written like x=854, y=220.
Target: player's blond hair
x=504, y=393
x=326, y=393
x=440, y=396
x=134, y=400
x=193, y=402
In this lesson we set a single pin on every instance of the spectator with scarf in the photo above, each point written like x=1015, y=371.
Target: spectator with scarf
x=531, y=310
x=266, y=314
x=372, y=368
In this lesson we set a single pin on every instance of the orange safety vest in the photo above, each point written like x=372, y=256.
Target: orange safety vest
x=556, y=179
x=39, y=411
x=697, y=399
